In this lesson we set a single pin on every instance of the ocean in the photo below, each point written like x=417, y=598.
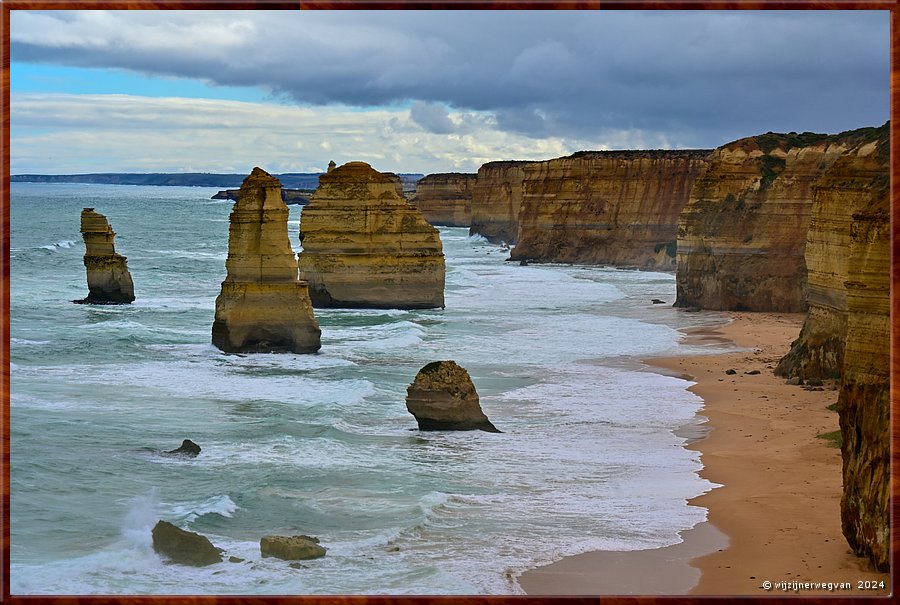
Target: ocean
x=591, y=456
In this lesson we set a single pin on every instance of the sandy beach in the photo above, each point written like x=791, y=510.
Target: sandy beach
x=776, y=516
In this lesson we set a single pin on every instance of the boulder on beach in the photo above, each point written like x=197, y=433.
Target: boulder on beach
x=184, y=547
x=188, y=449
x=443, y=398
x=291, y=548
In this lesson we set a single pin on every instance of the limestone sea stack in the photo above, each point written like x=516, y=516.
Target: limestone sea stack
x=617, y=208
x=443, y=398
x=446, y=198
x=263, y=305
x=365, y=246
x=108, y=278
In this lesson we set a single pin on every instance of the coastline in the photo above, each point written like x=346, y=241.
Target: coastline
x=776, y=517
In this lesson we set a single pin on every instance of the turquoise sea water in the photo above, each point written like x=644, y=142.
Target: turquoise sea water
x=322, y=444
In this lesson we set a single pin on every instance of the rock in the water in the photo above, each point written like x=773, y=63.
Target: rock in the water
x=365, y=246
x=184, y=547
x=188, y=448
x=291, y=548
x=657, y=301
x=264, y=306
x=443, y=398
x=108, y=278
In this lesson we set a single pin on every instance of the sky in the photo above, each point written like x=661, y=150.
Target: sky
x=425, y=91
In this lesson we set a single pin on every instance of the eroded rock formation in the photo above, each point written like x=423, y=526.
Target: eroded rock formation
x=616, y=208
x=263, y=306
x=853, y=182
x=443, y=398
x=365, y=246
x=188, y=449
x=291, y=548
x=742, y=235
x=108, y=278
x=446, y=198
x=864, y=400
x=496, y=199
x=184, y=547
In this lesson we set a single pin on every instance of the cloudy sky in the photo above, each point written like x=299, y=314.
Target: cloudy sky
x=425, y=91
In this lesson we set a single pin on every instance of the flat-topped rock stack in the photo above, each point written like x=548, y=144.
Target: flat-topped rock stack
x=365, y=246
x=108, y=278
x=263, y=305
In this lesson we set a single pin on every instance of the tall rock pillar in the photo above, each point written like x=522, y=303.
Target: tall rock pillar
x=109, y=281
x=263, y=306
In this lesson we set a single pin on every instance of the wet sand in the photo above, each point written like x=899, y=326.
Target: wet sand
x=776, y=517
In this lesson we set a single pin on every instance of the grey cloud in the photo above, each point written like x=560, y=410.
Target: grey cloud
x=432, y=117
x=694, y=78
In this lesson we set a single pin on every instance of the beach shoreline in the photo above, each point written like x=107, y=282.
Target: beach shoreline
x=776, y=516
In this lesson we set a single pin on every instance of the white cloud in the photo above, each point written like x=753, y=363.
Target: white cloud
x=63, y=133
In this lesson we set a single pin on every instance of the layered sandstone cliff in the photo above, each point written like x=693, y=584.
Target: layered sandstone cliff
x=446, y=198
x=108, y=278
x=854, y=180
x=263, y=306
x=742, y=236
x=496, y=199
x=365, y=246
x=864, y=401
x=606, y=207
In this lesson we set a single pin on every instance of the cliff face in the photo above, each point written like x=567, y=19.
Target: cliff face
x=606, y=207
x=365, y=246
x=742, y=235
x=496, y=199
x=108, y=278
x=850, y=184
x=446, y=199
x=864, y=401
x=263, y=306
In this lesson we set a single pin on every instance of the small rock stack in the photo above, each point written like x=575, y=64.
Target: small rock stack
x=109, y=281
x=443, y=398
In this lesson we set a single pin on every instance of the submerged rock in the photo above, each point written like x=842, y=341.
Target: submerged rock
x=184, y=547
x=443, y=398
x=291, y=548
x=263, y=305
x=108, y=278
x=188, y=448
x=366, y=246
